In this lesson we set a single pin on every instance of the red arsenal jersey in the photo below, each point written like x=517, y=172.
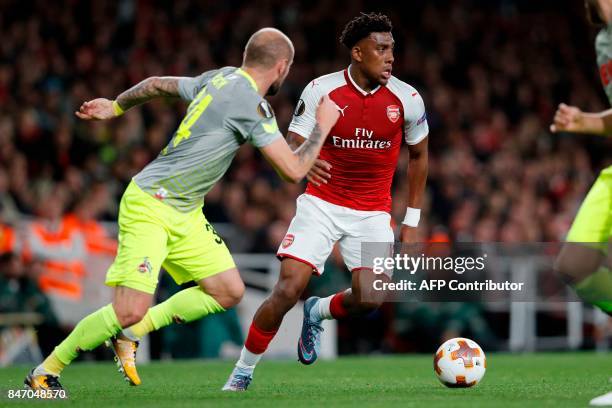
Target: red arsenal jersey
x=364, y=145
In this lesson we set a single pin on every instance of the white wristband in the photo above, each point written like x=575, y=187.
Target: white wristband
x=413, y=215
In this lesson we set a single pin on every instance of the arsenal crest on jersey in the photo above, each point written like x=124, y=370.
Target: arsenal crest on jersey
x=287, y=241
x=393, y=113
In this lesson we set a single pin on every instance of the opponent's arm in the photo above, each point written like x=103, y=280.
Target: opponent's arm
x=291, y=165
x=319, y=173
x=572, y=119
x=294, y=140
x=150, y=88
x=418, y=165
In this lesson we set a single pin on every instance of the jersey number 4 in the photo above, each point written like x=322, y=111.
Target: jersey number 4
x=196, y=109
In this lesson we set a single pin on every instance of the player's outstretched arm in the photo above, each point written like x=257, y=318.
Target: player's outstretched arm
x=572, y=119
x=150, y=88
x=293, y=166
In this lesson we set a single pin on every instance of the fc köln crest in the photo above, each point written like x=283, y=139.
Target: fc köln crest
x=393, y=113
x=287, y=241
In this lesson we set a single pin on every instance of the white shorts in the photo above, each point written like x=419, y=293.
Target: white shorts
x=318, y=225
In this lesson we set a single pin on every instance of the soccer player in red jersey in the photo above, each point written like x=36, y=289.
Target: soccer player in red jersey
x=348, y=197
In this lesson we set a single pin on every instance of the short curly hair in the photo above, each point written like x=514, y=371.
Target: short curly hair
x=361, y=27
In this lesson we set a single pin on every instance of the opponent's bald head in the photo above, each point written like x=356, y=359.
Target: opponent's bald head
x=266, y=47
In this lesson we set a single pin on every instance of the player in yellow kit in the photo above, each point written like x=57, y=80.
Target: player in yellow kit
x=160, y=217
x=583, y=261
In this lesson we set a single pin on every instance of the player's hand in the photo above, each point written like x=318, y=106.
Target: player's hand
x=567, y=119
x=411, y=244
x=319, y=173
x=409, y=235
x=97, y=109
x=327, y=114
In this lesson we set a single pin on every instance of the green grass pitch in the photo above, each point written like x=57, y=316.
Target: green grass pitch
x=522, y=380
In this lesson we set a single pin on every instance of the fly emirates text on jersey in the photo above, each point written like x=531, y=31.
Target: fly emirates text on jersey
x=363, y=140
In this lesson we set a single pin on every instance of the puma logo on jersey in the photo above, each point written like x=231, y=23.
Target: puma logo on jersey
x=342, y=110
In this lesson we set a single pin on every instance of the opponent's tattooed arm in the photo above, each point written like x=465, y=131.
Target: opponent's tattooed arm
x=309, y=150
x=291, y=165
x=148, y=89
x=103, y=109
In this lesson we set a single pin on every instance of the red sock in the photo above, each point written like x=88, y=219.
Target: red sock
x=336, y=308
x=257, y=341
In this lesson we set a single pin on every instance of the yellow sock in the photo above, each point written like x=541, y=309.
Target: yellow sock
x=143, y=327
x=88, y=334
x=53, y=365
x=185, y=306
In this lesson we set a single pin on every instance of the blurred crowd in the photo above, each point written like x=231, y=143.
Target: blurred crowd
x=491, y=77
x=491, y=74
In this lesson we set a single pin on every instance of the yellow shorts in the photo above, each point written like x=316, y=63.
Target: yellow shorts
x=153, y=234
x=593, y=223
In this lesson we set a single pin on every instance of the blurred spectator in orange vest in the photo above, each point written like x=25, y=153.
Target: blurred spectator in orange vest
x=84, y=219
x=58, y=245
